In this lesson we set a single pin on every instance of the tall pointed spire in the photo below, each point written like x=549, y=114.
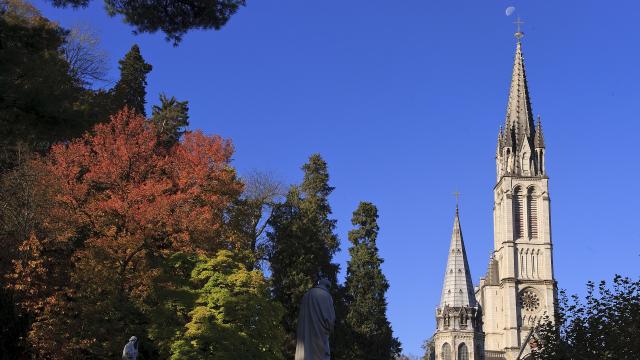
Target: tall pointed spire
x=519, y=114
x=458, y=287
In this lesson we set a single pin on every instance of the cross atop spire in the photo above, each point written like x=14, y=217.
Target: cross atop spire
x=457, y=195
x=519, y=34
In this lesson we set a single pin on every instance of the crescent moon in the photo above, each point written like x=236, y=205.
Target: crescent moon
x=510, y=10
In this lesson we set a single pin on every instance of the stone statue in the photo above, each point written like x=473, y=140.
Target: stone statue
x=130, y=351
x=315, y=323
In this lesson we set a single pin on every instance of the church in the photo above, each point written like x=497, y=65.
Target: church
x=497, y=318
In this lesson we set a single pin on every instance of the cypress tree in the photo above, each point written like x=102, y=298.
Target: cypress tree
x=367, y=332
x=302, y=242
x=130, y=90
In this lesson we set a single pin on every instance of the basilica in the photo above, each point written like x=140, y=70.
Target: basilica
x=497, y=318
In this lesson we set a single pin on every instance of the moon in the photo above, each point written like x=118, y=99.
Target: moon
x=510, y=10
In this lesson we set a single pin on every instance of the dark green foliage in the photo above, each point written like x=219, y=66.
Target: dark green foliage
x=367, y=332
x=303, y=242
x=40, y=101
x=171, y=118
x=174, y=18
x=130, y=90
x=605, y=325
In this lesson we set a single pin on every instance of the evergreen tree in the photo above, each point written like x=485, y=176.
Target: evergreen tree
x=40, y=101
x=368, y=332
x=171, y=118
x=130, y=90
x=302, y=243
x=174, y=18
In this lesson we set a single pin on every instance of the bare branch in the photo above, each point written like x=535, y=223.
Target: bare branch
x=87, y=61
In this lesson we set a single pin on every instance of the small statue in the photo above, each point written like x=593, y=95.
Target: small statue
x=130, y=351
x=315, y=323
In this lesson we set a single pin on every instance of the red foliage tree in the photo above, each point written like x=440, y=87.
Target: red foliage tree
x=121, y=204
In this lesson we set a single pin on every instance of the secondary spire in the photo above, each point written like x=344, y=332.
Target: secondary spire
x=458, y=287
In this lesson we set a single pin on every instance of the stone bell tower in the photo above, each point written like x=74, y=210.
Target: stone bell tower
x=519, y=288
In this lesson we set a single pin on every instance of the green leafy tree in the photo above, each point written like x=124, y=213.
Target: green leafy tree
x=130, y=90
x=368, y=332
x=171, y=118
x=302, y=242
x=603, y=326
x=174, y=18
x=233, y=317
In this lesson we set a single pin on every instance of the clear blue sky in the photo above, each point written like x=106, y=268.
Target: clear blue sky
x=404, y=100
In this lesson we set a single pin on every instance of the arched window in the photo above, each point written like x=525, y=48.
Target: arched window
x=463, y=352
x=532, y=213
x=518, y=212
x=446, y=351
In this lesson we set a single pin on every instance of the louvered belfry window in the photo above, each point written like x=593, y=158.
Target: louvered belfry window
x=518, y=213
x=463, y=352
x=446, y=351
x=532, y=213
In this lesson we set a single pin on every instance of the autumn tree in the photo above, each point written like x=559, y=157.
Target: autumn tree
x=302, y=242
x=173, y=18
x=368, y=333
x=131, y=88
x=121, y=205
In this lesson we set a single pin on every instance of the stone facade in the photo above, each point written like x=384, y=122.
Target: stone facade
x=519, y=288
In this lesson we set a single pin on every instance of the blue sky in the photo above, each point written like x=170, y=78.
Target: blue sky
x=404, y=100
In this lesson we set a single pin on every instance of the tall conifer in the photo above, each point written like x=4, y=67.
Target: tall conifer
x=171, y=118
x=303, y=242
x=367, y=331
x=130, y=90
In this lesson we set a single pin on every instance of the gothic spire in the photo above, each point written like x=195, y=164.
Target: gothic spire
x=519, y=114
x=458, y=288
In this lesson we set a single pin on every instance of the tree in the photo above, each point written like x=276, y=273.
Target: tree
x=602, y=326
x=174, y=18
x=429, y=347
x=233, y=316
x=369, y=333
x=121, y=204
x=302, y=242
x=40, y=101
x=87, y=62
x=130, y=90
x=170, y=118
x=249, y=217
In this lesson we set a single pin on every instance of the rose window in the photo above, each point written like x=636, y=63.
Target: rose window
x=530, y=300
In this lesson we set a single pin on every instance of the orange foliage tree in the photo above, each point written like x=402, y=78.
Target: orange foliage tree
x=121, y=203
